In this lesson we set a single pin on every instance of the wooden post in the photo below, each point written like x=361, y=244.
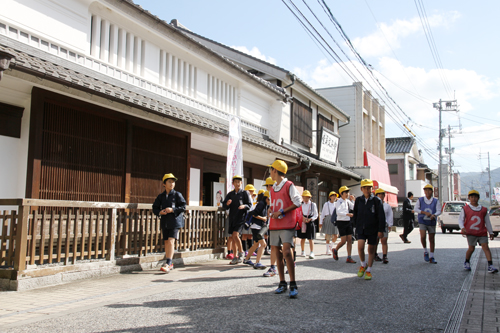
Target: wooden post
x=112, y=235
x=21, y=238
x=215, y=231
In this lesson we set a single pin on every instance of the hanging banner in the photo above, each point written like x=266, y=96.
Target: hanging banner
x=234, y=152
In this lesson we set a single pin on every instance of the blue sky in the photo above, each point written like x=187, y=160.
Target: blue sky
x=390, y=37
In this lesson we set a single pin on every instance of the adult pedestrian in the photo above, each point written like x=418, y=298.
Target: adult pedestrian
x=389, y=221
x=408, y=218
x=342, y=207
x=370, y=222
x=308, y=231
x=328, y=222
x=238, y=202
x=475, y=224
x=428, y=209
x=170, y=207
x=284, y=200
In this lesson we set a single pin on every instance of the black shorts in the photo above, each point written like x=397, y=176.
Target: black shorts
x=238, y=227
x=371, y=239
x=345, y=228
x=258, y=234
x=170, y=233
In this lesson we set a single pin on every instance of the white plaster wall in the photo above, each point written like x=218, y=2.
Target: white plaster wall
x=151, y=62
x=345, y=98
x=253, y=108
x=66, y=22
x=14, y=152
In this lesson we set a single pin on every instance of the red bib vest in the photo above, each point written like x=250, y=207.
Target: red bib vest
x=281, y=200
x=474, y=221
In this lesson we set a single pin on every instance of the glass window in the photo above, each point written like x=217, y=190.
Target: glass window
x=393, y=169
x=455, y=207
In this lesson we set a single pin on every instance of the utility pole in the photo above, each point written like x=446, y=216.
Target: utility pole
x=448, y=107
x=450, y=151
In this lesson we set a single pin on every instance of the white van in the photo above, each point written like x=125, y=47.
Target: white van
x=448, y=220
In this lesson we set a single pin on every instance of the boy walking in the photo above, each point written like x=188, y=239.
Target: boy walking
x=170, y=206
x=474, y=222
x=369, y=218
x=238, y=202
x=284, y=200
x=428, y=209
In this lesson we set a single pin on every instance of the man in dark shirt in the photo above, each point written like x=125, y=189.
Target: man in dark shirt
x=238, y=202
x=369, y=218
x=408, y=218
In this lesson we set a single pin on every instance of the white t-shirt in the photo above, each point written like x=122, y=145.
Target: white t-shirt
x=342, y=206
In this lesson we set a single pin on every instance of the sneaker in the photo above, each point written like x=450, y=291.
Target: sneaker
x=254, y=254
x=248, y=262
x=293, y=291
x=492, y=269
x=335, y=255
x=230, y=256
x=259, y=266
x=271, y=272
x=467, y=266
x=303, y=254
x=267, y=253
x=407, y=241
x=235, y=261
x=246, y=253
x=361, y=271
x=368, y=275
x=350, y=261
x=329, y=253
x=385, y=260
x=402, y=238
x=165, y=268
x=426, y=256
x=281, y=289
x=432, y=261
x=377, y=258
x=311, y=255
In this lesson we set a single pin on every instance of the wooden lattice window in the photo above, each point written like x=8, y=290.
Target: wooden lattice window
x=301, y=123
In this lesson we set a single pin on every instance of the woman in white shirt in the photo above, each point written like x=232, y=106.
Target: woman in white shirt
x=308, y=231
x=327, y=221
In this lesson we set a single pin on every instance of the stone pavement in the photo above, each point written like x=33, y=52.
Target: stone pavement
x=407, y=295
x=482, y=308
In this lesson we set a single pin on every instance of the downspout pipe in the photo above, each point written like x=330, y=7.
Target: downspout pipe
x=348, y=122
x=307, y=167
x=292, y=77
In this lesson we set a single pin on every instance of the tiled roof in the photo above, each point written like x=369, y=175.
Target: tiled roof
x=77, y=76
x=398, y=145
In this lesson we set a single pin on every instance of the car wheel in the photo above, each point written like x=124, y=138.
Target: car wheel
x=443, y=230
x=450, y=230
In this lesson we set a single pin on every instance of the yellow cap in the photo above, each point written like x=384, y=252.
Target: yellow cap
x=169, y=176
x=306, y=193
x=343, y=189
x=429, y=186
x=237, y=177
x=249, y=187
x=280, y=166
x=266, y=194
x=379, y=190
x=471, y=192
x=366, y=182
x=269, y=181
x=333, y=193
x=261, y=191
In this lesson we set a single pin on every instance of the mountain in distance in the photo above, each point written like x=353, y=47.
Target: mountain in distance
x=480, y=182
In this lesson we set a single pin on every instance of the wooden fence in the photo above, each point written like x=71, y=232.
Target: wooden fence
x=64, y=232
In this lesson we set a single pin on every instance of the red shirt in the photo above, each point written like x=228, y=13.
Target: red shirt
x=474, y=222
x=281, y=200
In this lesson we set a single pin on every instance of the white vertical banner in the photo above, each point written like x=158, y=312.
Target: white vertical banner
x=234, y=152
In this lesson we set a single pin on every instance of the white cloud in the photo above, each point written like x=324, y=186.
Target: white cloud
x=376, y=44
x=472, y=90
x=255, y=52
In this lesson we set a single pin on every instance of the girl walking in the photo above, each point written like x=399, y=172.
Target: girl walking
x=328, y=220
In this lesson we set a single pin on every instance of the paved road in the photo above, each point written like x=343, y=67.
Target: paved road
x=407, y=295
